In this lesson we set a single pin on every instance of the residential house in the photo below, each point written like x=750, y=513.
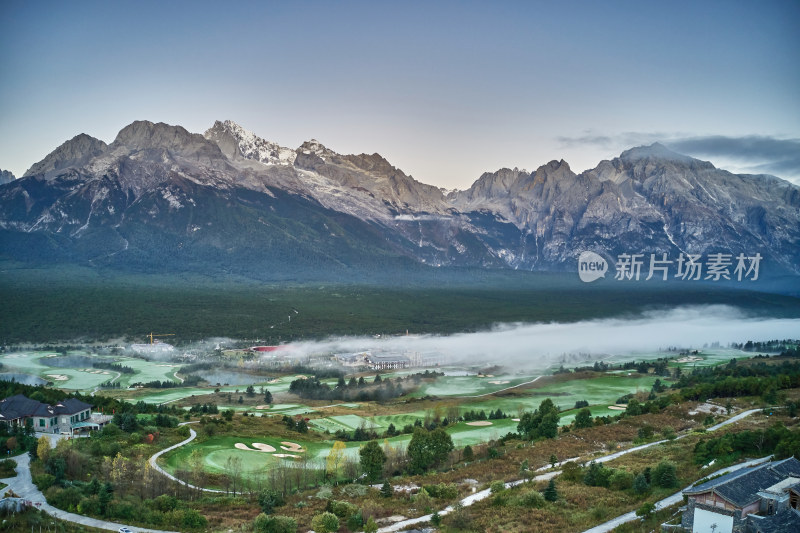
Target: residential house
x=67, y=416
x=762, y=499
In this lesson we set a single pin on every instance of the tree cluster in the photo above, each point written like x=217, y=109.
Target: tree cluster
x=542, y=423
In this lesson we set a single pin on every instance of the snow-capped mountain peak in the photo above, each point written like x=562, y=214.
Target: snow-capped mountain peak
x=235, y=141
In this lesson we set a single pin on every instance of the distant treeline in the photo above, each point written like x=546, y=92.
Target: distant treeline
x=116, y=367
x=659, y=367
x=379, y=390
x=734, y=380
x=773, y=346
x=189, y=381
x=204, y=409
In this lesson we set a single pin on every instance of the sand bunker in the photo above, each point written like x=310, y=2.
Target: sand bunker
x=259, y=447
x=515, y=419
x=291, y=447
x=617, y=407
x=300, y=377
x=58, y=377
x=480, y=423
x=262, y=406
x=689, y=359
x=286, y=455
x=498, y=382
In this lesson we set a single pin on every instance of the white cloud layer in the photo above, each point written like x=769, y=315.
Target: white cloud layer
x=541, y=344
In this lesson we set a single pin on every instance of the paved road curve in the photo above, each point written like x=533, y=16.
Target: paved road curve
x=23, y=486
x=154, y=462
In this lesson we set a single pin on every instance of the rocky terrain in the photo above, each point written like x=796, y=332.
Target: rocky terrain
x=159, y=198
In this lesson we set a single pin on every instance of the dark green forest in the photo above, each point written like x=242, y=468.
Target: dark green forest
x=81, y=304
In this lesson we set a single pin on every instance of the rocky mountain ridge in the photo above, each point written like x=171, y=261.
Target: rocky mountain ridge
x=159, y=196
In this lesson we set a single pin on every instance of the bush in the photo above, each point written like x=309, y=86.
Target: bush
x=340, y=508
x=67, y=499
x=165, y=503
x=325, y=493
x=44, y=481
x=571, y=471
x=664, y=475
x=550, y=493
x=355, y=521
x=468, y=454
x=460, y=518
x=531, y=499
x=640, y=484
x=497, y=487
x=620, y=480
x=192, y=519
x=447, y=491
x=325, y=523
x=89, y=506
x=597, y=475
x=645, y=510
x=7, y=468
x=370, y=526
x=268, y=500
x=354, y=491
x=274, y=524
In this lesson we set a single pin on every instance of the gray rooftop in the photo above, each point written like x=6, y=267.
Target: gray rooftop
x=741, y=487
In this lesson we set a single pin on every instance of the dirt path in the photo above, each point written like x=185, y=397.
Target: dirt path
x=23, y=486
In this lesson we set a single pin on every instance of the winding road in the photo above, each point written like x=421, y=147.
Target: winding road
x=23, y=486
x=154, y=462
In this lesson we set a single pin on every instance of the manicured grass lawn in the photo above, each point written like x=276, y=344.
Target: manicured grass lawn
x=80, y=378
x=598, y=391
x=216, y=451
x=469, y=385
x=147, y=371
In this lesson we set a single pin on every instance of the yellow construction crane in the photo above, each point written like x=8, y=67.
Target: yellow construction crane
x=159, y=335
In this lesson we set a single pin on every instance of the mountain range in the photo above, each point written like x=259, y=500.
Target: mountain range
x=162, y=199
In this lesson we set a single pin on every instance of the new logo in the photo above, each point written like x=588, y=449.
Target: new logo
x=591, y=267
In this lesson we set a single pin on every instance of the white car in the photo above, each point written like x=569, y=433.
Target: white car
x=124, y=530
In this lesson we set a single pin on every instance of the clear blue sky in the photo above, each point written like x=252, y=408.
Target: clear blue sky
x=443, y=90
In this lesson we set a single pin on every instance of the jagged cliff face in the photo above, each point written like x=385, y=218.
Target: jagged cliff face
x=160, y=197
x=6, y=177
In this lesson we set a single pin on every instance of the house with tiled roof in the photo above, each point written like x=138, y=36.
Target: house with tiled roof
x=67, y=416
x=762, y=499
